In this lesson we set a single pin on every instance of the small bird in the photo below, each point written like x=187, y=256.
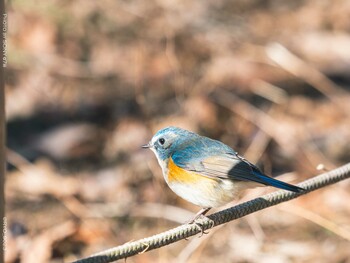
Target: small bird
x=206, y=172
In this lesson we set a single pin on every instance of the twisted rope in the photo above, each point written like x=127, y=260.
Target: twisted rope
x=187, y=230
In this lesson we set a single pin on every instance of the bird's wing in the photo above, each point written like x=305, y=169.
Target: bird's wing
x=224, y=166
x=231, y=166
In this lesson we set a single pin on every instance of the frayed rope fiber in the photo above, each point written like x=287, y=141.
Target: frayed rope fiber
x=224, y=216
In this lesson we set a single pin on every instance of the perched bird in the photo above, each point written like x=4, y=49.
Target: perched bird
x=206, y=172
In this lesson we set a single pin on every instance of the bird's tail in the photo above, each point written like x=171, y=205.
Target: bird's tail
x=267, y=180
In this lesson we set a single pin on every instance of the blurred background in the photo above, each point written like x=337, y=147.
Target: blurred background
x=89, y=82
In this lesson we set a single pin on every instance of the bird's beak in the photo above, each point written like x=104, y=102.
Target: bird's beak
x=148, y=145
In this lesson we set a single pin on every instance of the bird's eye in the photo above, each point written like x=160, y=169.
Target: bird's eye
x=161, y=141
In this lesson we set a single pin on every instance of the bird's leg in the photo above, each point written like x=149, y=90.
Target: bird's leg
x=201, y=213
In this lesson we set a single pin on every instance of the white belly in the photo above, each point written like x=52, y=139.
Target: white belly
x=208, y=196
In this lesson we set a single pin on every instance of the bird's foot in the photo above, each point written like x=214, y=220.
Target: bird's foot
x=198, y=219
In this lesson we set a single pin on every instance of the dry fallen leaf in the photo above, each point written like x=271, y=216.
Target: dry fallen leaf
x=39, y=248
x=41, y=178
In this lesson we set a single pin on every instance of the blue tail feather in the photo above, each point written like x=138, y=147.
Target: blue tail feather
x=264, y=179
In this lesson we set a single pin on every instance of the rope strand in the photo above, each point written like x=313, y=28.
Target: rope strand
x=224, y=216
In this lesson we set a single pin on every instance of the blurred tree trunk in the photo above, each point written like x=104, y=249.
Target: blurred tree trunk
x=2, y=130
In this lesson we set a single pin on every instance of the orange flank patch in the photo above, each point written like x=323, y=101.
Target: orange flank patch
x=177, y=174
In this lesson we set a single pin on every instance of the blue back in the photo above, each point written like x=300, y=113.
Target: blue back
x=186, y=147
x=197, y=148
